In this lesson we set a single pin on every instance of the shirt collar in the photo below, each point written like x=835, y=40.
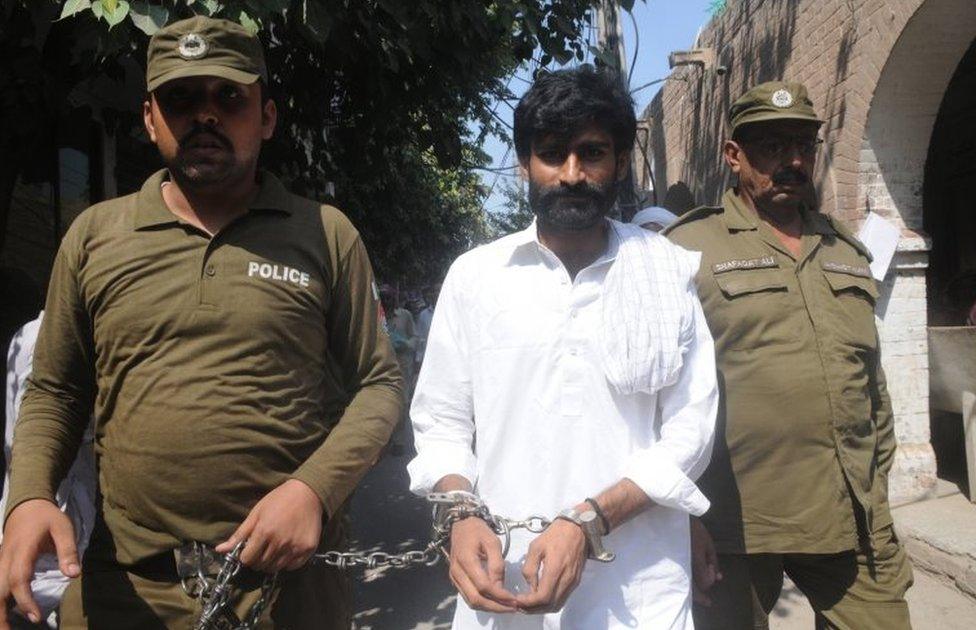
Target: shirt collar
x=151, y=209
x=739, y=216
x=529, y=237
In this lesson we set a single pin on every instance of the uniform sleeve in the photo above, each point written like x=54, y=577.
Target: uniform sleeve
x=443, y=409
x=60, y=391
x=666, y=471
x=369, y=370
x=884, y=422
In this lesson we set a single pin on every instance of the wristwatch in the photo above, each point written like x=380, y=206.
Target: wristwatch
x=589, y=522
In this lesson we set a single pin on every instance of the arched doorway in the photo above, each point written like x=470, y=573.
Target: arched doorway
x=950, y=219
x=901, y=127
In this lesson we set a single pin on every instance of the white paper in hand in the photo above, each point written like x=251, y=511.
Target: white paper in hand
x=880, y=236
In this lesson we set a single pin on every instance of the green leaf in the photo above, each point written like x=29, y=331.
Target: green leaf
x=210, y=6
x=604, y=55
x=109, y=6
x=147, y=17
x=74, y=7
x=118, y=13
x=252, y=25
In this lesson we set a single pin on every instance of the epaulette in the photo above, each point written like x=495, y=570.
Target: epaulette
x=842, y=231
x=695, y=214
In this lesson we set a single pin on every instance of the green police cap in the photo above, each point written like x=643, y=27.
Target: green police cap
x=204, y=47
x=773, y=100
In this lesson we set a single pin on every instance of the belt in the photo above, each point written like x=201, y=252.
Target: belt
x=192, y=560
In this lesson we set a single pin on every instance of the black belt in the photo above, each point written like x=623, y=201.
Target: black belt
x=163, y=567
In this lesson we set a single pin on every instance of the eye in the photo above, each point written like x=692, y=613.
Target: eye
x=550, y=155
x=593, y=153
x=230, y=92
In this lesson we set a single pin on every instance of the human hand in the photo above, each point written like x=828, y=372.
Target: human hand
x=34, y=527
x=282, y=531
x=478, y=568
x=562, y=551
x=704, y=563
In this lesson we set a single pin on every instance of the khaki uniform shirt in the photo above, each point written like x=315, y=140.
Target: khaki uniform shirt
x=217, y=367
x=805, y=414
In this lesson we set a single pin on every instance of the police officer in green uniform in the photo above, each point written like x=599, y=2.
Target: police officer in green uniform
x=798, y=479
x=226, y=334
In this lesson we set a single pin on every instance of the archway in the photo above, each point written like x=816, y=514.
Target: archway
x=900, y=128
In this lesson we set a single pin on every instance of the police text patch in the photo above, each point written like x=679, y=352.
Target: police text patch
x=281, y=273
x=853, y=270
x=764, y=262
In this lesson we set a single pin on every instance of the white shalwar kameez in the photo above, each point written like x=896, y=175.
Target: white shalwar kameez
x=512, y=397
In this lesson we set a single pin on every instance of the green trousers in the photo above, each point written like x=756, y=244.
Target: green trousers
x=110, y=597
x=854, y=590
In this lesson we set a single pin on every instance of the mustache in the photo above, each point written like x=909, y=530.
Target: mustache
x=790, y=177
x=549, y=194
x=199, y=130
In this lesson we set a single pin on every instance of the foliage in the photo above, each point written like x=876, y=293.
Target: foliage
x=516, y=214
x=375, y=96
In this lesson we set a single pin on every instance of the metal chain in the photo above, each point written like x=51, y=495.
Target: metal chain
x=449, y=508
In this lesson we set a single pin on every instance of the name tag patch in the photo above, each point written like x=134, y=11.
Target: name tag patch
x=763, y=262
x=862, y=271
x=281, y=273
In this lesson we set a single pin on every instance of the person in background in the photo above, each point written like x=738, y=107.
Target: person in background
x=424, y=319
x=75, y=496
x=654, y=218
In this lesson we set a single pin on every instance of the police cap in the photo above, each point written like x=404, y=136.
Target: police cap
x=204, y=47
x=773, y=100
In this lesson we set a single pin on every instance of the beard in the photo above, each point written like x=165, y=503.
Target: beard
x=572, y=208
x=198, y=168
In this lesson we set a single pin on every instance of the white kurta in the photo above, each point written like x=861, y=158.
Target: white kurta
x=76, y=494
x=511, y=396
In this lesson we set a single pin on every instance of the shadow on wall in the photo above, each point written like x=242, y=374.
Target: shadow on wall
x=754, y=40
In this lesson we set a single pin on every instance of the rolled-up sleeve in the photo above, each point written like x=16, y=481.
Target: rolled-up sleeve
x=666, y=470
x=442, y=408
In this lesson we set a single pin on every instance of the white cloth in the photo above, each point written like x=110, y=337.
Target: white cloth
x=512, y=396
x=76, y=494
x=654, y=214
x=649, y=275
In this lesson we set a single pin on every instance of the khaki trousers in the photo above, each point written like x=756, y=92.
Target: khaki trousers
x=853, y=590
x=112, y=598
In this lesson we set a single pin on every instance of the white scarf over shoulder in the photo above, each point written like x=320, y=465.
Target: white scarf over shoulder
x=648, y=310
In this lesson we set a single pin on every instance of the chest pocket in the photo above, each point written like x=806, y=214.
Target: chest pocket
x=736, y=284
x=856, y=294
x=748, y=310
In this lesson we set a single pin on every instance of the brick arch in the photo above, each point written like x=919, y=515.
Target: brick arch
x=904, y=107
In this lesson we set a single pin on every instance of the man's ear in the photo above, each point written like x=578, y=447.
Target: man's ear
x=524, y=169
x=732, y=153
x=147, y=118
x=269, y=118
x=623, y=165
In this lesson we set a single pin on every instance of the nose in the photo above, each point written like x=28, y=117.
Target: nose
x=206, y=113
x=571, y=171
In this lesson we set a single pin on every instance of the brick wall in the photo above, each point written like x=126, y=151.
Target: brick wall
x=876, y=71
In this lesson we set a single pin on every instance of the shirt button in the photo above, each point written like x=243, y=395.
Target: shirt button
x=211, y=270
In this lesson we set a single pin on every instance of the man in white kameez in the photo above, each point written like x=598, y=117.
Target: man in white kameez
x=570, y=374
